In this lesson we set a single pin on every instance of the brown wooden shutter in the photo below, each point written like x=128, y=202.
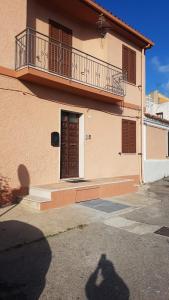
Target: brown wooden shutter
x=67, y=37
x=54, y=31
x=132, y=66
x=129, y=64
x=132, y=136
x=66, y=52
x=125, y=137
x=60, y=54
x=31, y=44
x=54, y=34
x=128, y=136
x=125, y=62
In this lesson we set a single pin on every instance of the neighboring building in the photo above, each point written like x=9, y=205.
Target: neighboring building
x=158, y=97
x=156, y=138
x=160, y=109
x=72, y=76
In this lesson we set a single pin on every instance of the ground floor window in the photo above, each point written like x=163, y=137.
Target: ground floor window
x=128, y=136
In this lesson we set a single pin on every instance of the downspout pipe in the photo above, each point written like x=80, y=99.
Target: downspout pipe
x=142, y=118
x=148, y=46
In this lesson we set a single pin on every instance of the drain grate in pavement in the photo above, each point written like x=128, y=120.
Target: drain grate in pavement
x=163, y=231
x=104, y=205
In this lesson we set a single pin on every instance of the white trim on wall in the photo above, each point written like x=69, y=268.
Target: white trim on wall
x=81, y=146
x=155, y=169
x=167, y=143
x=59, y=129
x=144, y=142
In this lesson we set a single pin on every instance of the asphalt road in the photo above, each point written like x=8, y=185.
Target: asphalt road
x=93, y=262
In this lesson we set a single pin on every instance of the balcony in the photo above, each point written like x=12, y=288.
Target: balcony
x=45, y=61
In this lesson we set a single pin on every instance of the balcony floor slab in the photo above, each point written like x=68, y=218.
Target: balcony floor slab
x=52, y=80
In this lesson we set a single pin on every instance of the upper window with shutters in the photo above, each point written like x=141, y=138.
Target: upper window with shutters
x=129, y=64
x=60, y=53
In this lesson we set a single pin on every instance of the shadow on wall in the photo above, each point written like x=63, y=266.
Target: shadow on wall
x=60, y=97
x=81, y=29
x=25, y=264
x=24, y=180
x=105, y=283
x=8, y=195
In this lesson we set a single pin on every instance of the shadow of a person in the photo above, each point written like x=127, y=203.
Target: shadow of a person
x=23, y=263
x=111, y=286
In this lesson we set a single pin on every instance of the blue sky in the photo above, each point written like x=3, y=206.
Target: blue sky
x=152, y=19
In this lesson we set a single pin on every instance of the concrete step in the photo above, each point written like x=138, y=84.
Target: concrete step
x=59, y=196
x=34, y=201
x=40, y=192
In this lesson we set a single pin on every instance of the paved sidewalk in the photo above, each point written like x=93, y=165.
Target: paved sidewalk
x=156, y=213
x=101, y=254
x=55, y=221
x=49, y=222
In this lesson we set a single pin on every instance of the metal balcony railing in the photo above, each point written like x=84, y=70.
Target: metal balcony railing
x=41, y=52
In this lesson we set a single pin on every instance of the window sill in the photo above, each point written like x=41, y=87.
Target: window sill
x=130, y=83
x=129, y=153
x=122, y=153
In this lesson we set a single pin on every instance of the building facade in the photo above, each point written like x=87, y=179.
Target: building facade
x=156, y=137
x=158, y=97
x=72, y=90
x=157, y=104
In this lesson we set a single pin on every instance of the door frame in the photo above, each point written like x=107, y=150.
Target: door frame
x=81, y=143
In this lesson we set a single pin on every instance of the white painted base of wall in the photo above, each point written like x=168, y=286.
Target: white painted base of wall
x=155, y=169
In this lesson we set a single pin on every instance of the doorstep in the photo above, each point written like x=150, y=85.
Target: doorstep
x=68, y=192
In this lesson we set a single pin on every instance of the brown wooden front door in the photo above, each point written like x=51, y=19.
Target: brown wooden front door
x=60, y=51
x=69, y=145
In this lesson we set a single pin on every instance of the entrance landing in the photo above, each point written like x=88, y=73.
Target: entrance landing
x=78, y=183
x=73, y=191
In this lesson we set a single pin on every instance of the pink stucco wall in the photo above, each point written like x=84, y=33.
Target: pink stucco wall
x=28, y=115
x=87, y=39
x=18, y=14
x=157, y=143
x=13, y=15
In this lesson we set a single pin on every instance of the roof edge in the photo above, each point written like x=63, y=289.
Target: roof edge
x=156, y=118
x=119, y=22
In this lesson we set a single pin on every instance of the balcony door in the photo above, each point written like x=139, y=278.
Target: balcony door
x=60, y=52
x=69, y=145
